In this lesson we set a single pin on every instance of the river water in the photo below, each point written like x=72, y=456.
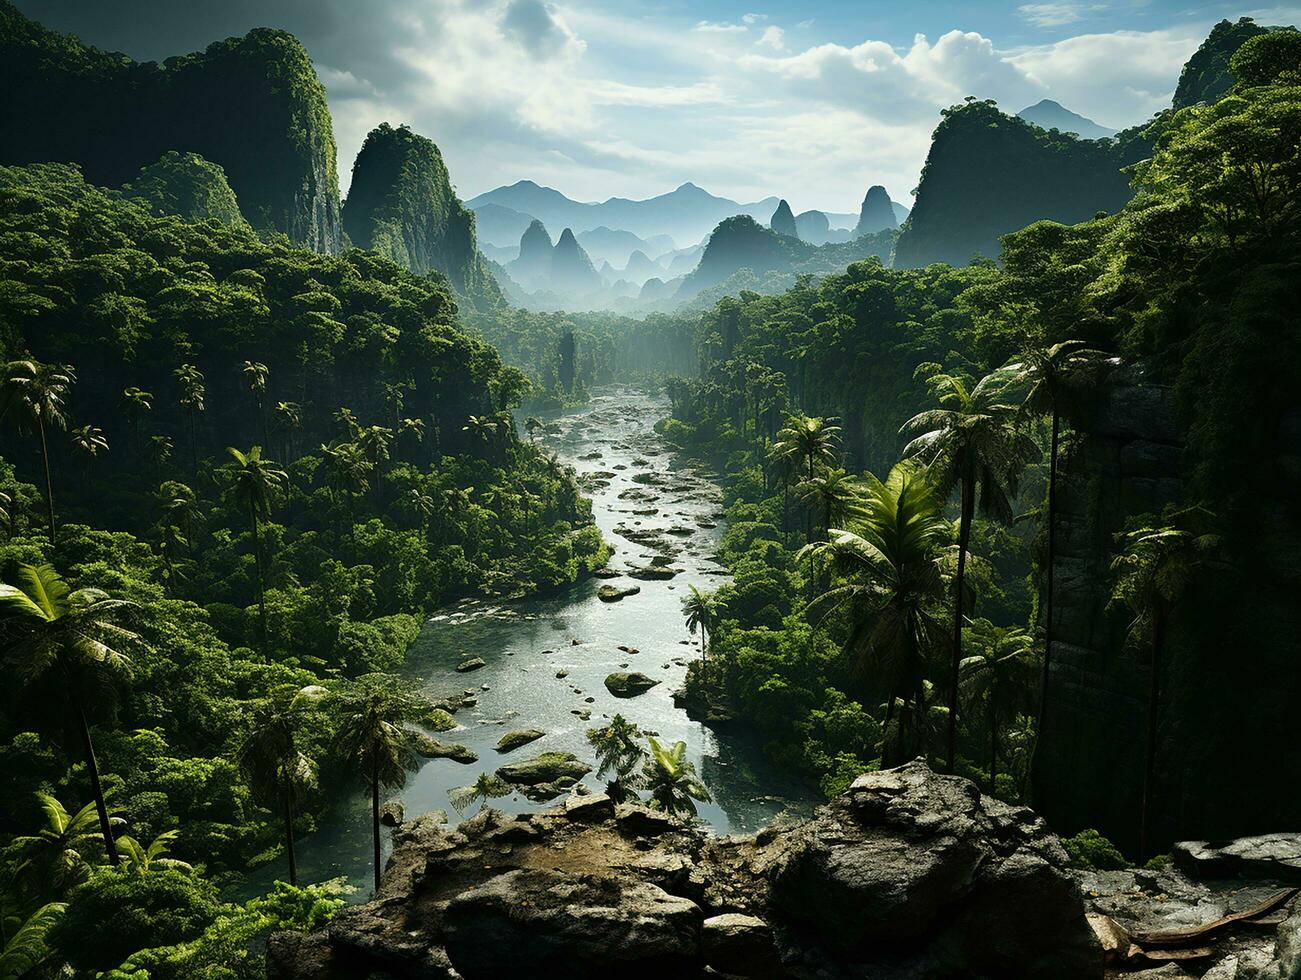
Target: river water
x=640, y=489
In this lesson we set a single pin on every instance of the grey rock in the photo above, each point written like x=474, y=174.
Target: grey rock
x=591, y=808
x=613, y=593
x=623, y=684
x=1272, y=856
x=513, y=740
x=547, y=924
x=474, y=663
x=549, y=767
x=739, y=945
x=433, y=748
x=391, y=813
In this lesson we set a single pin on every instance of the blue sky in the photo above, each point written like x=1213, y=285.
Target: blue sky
x=812, y=101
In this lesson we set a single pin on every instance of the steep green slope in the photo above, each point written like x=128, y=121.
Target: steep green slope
x=1207, y=75
x=402, y=205
x=988, y=174
x=251, y=105
x=186, y=185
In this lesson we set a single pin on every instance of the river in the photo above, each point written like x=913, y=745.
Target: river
x=640, y=488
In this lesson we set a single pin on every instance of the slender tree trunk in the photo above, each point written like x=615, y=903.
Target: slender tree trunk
x=1048, y=590
x=1153, y=715
x=374, y=816
x=49, y=482
x=964, y=539
x=993, y=741
x=885, y=732
x=261, y=582
x=92, y=767
x=194, y=444
x=289, y=837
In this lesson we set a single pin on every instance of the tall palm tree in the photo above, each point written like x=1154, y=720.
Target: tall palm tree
x=36, y=395
x=375, y=713
x=1157, y=563
x=533, y=425
x=90, y=442
x=255, y=379
x=970, y=442
x=784, y=468
x=618, y=751
x=1000, y=674
x=63, y=641
x=374, y=442
x=347, y=470
x=814, y=440
x=256, y=479
x=193, y=395
x=289, y=417
x=277, y=770
x=178, y=507
x=1051, y=374
x=423, y=506
x=415, y=428
x=135, y=402
x=891, y=567
x=701, y=610
x=671, y=779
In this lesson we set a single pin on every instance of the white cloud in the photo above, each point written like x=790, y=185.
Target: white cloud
x=754, y=18
x=536, y=27
x=773, y=37
x=1056, y=14
x=714, y=27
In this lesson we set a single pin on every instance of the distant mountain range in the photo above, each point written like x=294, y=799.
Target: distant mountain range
x=1053, y=115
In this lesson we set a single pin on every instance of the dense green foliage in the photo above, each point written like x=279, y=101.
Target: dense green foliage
x=1208, y=75
x=251, y=105
x=401, y=205
x=186, y=185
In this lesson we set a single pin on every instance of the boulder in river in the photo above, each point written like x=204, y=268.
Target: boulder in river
x=653, y=572
x=391, y=813
x=548, y=767
x=513, y=740
x=908, y=874
x=613, y=593
x=628, y=684
x=474, y=663
x=433, y=748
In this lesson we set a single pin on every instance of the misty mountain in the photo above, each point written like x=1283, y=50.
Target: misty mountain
x=500, y=226
x=1052, y=115
x=616, y=245
x=783, y=221
x=877, y=212
x=686, y=214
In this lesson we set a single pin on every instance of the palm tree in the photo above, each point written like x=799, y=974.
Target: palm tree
x=970, y=442
x=1000, y=674
x=701, y=610
x=415, y=428
x=814, y=440
x=256, y=479
x=160, y=451
x=63, y=641
x=193, y=393
x=1051, y=375
x=892, y=581
x=135, y=402
x=179, y=507
x=374, y=713
x=374, y=442
x=483, y=428
x=1157, y=563
x=486, y=787
x=532, y=425
x=347, y=422
x=423, y=506
x=277, y=771
x=90, y=442
x=56, y=854
x=784, y=465
x=671, y=779
x=255, y=379
x=142, y=859
x=836, y=495
x=289, y=417
x=9, y=512
x=347, y=470
x=618, y=752
x=37, y=396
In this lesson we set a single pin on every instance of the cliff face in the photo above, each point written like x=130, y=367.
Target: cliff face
x=989, y=174
x=1228, y=740
x=571, y=270
x=401, y=204
x=186, y=185
x=251, y=105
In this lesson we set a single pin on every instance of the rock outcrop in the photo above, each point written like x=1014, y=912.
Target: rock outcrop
x=572, y=272
x=187, y=185
x=533, y=265
x=907, y=874
x=253, y=105
x=877, y=212
x=402, y=205
x=783, y=221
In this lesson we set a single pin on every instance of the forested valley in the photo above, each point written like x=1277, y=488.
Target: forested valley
x=896, y=536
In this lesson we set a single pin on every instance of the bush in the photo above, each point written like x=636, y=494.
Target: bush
x=1090, y=851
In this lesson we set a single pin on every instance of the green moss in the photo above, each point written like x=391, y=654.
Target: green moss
x=186, y=185
x=1090, y=851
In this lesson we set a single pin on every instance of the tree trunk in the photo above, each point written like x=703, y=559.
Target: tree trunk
x=1048, y=590
x=993, y=740
x=1153, y=713
x=289, y=836
x=101, y=807
x=261, y=582
x=194, y=444
x=964, y=539
x=49, y=482
x=374, y=816
x=885, y=733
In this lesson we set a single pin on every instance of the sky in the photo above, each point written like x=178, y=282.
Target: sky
x=812, y=101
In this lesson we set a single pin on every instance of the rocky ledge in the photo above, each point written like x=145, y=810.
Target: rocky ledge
x=908, y=874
